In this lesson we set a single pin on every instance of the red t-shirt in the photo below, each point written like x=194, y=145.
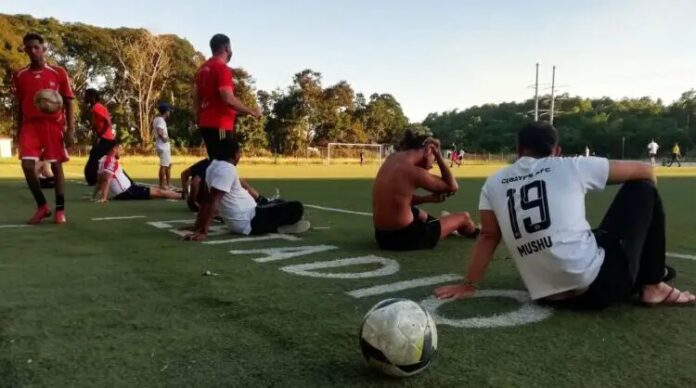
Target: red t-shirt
x=28, y=82
x=101, y=122
x=213, y=111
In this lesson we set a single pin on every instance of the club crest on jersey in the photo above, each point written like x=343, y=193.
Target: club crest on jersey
x=52, y=84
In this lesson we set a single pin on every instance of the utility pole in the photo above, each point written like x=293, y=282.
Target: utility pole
x=536, y=94
x=553, y=94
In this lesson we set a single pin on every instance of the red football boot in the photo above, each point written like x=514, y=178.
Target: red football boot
x=41, y=213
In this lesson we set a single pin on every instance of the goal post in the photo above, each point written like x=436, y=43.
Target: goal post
x=335, y=151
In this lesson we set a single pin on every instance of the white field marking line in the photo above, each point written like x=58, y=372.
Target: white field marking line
x=13, y=226
x=272, y=236
x=403, y=285
x=332, y=209
x=681, y=256
x=117, y=218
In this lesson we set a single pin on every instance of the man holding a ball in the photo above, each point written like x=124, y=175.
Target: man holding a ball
x=44, y=100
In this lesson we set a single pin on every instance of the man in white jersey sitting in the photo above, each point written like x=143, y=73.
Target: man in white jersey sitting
x=113, y=180
x=537, y=206
x=241, y=207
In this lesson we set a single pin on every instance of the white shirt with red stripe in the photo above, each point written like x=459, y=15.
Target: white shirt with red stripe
x=120, y=182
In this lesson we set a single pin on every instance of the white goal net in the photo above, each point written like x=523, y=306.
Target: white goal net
x=354, y=153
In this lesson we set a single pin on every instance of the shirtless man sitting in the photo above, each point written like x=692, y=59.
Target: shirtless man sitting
x=399, y=224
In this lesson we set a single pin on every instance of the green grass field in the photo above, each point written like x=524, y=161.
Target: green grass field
x=117, y=303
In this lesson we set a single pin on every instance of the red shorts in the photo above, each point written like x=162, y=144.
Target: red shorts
x=42, y=140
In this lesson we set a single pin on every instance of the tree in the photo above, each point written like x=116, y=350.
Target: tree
x=145, y=65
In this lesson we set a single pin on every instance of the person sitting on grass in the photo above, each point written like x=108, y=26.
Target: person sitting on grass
x=537, y=207
x=193, y=184
x=240, y=206
x=113, y=180
x=399, y=224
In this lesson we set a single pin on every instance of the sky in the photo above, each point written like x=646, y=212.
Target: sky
x=433, y=56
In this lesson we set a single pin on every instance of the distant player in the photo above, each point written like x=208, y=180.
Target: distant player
x=362, y=157
x=454, y=158
x=115, y=183
x=41, y=135
x=238, y=203
x=676, y=155
x=193, y=184
x=162, y=146
x=399, y=224
x=537, y=207
x=652, y=151
x=100, y=120
x=215, y=102
x=587, y=151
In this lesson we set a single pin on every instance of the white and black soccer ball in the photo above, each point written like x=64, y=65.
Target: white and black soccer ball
x=398, y=337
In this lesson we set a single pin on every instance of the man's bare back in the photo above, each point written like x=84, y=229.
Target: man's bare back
x=392, y=191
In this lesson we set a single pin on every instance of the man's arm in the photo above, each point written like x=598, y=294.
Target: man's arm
x=196, y=102
x=230, y=99
x=481, y=256
x=624, y=171
x=432, y=198
x=69, y=109
x=185, y=176
x=252, y=191
x=205, y=215
x=103, y=185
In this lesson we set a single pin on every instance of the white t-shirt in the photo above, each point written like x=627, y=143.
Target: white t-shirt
x=160, y=123
x=237, y=207
x=540, y=207
x=120, y=182
x=652, y=148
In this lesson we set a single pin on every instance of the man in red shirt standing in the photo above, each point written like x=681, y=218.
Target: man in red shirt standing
x=215, y=102
x=41, y=135
x=106, y=136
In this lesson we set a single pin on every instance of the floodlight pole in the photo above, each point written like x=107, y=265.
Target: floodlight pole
x=553, y=94
x=536, y=94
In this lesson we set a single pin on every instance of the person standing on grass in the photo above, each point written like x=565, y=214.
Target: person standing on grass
x=652, y=151
x=362, y=157
x=399, y=224
x=537, y=207
x=676, y=155
x=42, y=135
x=162, y=145
x=216, y=105
x=242, y=209
x=100, y=121
x=114, y=182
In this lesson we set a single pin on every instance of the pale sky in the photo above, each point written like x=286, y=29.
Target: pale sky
x=431, y=55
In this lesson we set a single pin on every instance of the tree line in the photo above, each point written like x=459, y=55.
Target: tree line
x=135, y=70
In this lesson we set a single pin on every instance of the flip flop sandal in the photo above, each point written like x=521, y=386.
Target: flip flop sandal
x=670, y=301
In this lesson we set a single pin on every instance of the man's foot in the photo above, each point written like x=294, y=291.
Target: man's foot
x=60, y=217
x=664, y=294
x=299, y=227
x=444, y=214
x=41, y=213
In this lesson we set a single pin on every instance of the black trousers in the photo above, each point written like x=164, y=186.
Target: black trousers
x=675, y=158
x=275, y=214
x=632, y=234
x=216, y=141
x=100, y=148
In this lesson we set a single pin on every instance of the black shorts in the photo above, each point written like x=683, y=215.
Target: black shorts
x=417, y=235
x=135, y=192
x=652, y=155
x=216, y=140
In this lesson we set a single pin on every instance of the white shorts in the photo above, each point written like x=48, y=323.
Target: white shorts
x=164, y=152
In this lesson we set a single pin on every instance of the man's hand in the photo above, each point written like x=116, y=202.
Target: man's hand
x=437, y=198
x=256, y=112
x=102, y=200
x=196, y=236
x=456, y=291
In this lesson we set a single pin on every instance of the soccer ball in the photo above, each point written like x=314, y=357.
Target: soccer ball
x=398, y=337
x=48, y=101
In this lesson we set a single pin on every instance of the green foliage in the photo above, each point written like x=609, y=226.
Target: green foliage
x=602, y=124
